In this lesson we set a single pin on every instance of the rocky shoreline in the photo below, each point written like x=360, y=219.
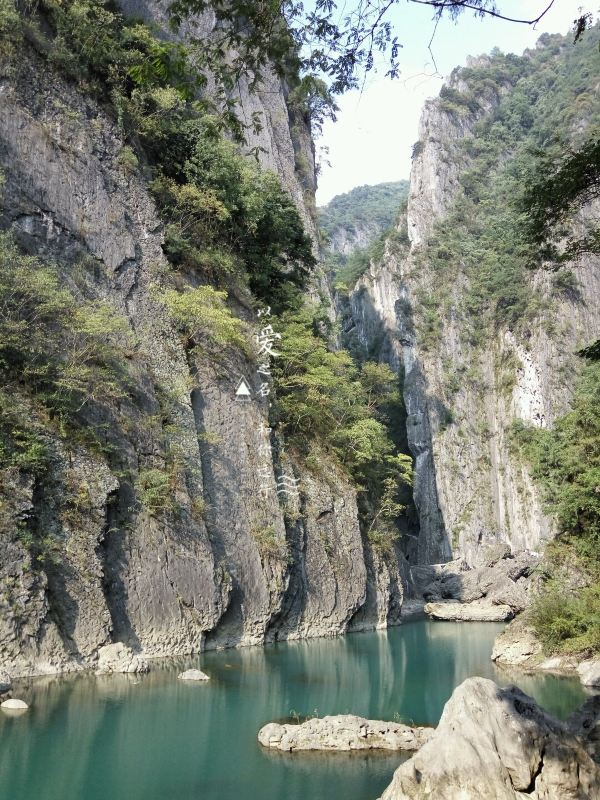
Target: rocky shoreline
x=518, y=647
x=491, y=742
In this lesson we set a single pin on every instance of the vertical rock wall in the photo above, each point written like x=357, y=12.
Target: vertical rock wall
x=470, y=487
x=231, y=563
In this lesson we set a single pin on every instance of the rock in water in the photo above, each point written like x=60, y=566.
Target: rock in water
x=119, y=658
x=497, y=744
x=14, y=705
x=469, y=612
x=343, y=732
x=517, y=645
x=589, y=673
x=193, y=675
x=5, y=681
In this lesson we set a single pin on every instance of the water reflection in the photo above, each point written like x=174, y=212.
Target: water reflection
x=153, y=737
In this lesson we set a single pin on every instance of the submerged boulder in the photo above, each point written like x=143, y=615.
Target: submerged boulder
x=119, y=658
x=497, y=744
x=343, y=732
x=193, y=675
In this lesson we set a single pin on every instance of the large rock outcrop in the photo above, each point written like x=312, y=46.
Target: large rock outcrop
x=497, y=744
x=341, y=733
x=470, y=488
x=172, y=581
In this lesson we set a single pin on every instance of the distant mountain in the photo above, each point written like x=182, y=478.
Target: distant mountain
x=353, y=220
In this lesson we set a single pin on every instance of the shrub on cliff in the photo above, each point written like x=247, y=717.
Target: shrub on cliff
x=565, y=460
x=323, y=396
x=57, y=354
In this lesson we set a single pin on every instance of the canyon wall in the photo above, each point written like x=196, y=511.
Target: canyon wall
x=233, y=560
x=471, y=487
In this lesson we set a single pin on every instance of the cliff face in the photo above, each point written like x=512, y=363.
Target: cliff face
x=233, y=562
x=463, y=396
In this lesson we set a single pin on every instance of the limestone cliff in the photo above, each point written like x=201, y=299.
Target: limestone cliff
x=462, y=394
x=227, y=563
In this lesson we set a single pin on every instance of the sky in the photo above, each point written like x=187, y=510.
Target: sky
x=372, y=140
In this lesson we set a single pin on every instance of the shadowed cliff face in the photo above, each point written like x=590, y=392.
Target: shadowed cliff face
x=198, y=574
x=462, y=398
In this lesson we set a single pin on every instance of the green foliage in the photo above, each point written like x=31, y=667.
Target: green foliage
x=270, y=544
x=61, y=355
x=558, y=186
x=565, y=461
x=340, y=42
x=362, y=207
x=324, y=396
x=366, y=210
x=568, y=623
x=312, y=100
x=228, y=221
x=203, y=317
x=227, y=215
x=155, y=491
x=485, y=241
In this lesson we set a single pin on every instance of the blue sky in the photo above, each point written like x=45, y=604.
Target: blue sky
x=372, y=140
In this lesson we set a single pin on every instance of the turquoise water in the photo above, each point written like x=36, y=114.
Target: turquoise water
x=156, y=738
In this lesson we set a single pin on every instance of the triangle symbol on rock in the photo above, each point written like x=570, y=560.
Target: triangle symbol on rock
x=243, y=391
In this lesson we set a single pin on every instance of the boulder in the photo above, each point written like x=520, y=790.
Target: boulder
x=589, y=672
x=510, y=593
x=119, y=658
x=5, y=682
x=517, y=645
x=344, y=732
x=193, y=675
x=497, y=744
x=501, y=578
x=585, y=723
x=14, y=705
x=490, y=553
x=469, y=612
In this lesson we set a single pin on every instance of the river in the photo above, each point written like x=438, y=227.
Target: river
x=153, y=737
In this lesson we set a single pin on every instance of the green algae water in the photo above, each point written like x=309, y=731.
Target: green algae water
x=156, y=738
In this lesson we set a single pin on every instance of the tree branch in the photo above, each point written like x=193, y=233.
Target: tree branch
x=443, y=5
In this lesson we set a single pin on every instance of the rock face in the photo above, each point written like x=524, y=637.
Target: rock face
x=119, y=658
x=169, y=583
x=193, y=675
x=469, y=612
x=585, y=723
x=589, y=673
x=494, y=591
x=342, y=733
x=5, y=682
x=498, y=744
x=470, y=489
x=517, y=645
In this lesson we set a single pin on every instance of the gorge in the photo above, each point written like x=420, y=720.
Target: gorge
x=155, y=262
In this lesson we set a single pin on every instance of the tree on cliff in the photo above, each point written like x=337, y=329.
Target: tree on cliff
x=337, y=40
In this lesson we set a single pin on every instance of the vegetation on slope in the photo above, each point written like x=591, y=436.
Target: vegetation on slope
x=565, y=460
x=363, y=207
x=485, y=238
x=230, y=226
x=367, y=211
x=528, y=169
